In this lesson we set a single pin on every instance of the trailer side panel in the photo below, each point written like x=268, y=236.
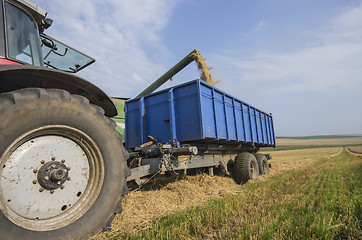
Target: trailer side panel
x=196, y=112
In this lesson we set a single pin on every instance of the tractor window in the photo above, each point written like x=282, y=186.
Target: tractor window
x=22, y=36
x=62, y=57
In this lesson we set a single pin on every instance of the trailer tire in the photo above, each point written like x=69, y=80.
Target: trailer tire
x=245, y=168
x=262, y=163
x=69, y=182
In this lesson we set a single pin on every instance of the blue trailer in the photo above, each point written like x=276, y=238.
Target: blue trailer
x=196, y=112
x=195, y=125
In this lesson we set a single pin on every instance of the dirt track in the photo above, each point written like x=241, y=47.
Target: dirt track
x=355, y=151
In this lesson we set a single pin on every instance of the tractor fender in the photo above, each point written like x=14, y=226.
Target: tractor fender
x=14, y=77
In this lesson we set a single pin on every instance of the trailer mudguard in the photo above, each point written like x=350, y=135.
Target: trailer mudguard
x=13, y=77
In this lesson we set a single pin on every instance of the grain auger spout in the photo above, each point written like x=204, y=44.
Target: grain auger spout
x=192, y=56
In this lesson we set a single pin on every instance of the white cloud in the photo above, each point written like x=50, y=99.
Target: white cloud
x=113, y=32
x=350, y=20
x=261, y=25
x=327, y=67
x=333, y=62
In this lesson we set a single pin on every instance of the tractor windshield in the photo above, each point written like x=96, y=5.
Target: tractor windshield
x=62, y=57
x=23, y=42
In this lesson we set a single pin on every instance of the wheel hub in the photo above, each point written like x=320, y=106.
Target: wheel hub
x=52, y=175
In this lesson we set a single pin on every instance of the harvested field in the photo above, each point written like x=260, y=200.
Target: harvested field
x=342, y=141
x=319, y=201
x=142, y=208
x=295, y=159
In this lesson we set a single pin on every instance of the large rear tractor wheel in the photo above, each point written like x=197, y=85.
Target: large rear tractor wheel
x=245, y=168
x=63, y=166
x=262, y=163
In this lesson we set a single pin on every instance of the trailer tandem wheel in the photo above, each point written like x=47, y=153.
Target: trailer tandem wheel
x=262, y=163
x=63, y=166
x=245, y=167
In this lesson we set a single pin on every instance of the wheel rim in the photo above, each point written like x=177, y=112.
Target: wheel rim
x=50, y=177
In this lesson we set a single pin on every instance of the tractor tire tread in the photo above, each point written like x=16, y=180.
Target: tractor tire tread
x=19, y=96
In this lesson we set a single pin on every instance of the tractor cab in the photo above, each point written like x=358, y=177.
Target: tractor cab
x=22, y=40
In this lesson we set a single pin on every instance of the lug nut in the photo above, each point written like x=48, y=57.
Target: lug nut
x=42, y=161
x=68, y=178
x=63, y=161
x=53, y=158
x=46, y=178
x=41, y=189
x=51, y=191
x=61, y=186
x=34, y=181
x=35, y=170
x=53, y=166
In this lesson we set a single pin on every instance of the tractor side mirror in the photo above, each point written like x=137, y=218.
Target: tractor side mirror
x=46, y=23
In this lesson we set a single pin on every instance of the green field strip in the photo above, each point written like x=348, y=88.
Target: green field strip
x=296, y=147
x=322, y=137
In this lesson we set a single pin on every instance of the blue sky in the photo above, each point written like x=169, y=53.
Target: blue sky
x=300, y=60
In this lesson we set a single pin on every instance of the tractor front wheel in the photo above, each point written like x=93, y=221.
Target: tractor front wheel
x=63, y=166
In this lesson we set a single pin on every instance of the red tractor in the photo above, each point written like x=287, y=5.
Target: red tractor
x=61, y=158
